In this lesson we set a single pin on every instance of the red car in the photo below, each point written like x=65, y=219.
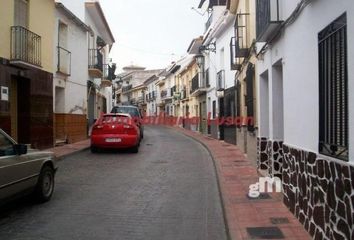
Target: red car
x=115, y=131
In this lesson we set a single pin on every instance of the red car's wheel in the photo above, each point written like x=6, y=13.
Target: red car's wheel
x=94, y=149
x=135, y=149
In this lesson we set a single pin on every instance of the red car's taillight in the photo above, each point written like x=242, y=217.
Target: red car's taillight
x=129, y=129
x=96, y=128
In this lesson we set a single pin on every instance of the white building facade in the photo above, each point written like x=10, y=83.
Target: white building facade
x=70, y=78
x=306, y=109
x=216, y=49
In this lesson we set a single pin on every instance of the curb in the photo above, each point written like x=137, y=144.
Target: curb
x=227, y=229
x=61, y=158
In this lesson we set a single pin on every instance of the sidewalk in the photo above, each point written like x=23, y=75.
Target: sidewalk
x=248, y=218
x=69, y=149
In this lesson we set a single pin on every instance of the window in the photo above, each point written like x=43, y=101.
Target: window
x=207, y=78
x=21, y=13
x=214, y=109
x=64, y=55
x=333, y=90
x=6, y=146
x=62, y=35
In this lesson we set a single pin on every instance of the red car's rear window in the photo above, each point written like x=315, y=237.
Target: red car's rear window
x=115, y=119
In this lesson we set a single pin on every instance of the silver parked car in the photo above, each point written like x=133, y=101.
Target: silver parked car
x=25, y=171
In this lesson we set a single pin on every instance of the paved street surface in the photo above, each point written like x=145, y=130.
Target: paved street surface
x=166, y=191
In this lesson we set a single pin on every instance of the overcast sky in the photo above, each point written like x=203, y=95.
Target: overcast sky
x=149, y=32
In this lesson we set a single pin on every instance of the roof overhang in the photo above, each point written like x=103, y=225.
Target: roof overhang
x=195, y=45
x=72, y=16
x=95, y=10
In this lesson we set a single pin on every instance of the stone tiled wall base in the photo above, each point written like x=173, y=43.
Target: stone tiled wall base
x=320, y=193
x=277, y=158
x=270, y=156
x=262, y=153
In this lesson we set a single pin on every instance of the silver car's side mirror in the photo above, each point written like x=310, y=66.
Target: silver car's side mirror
x=20, y=149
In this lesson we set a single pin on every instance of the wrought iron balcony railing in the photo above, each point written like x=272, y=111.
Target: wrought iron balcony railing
x=95, y=60
x=25, y=46
x=163, y=93
x=127, y=88
x=173, y=90
x=235, y=62
x=140, y=99
x=109, y=72
x=200, y=83
x=64, y=61
x=184, y=93
x=268, y=19
x=241, y=33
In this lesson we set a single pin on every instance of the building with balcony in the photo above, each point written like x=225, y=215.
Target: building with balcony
x=26, y=70
x=243, y=59
x=152, y=109
x=305, y=104
x=133, y=86
x=182, y=80
x=99, y=69
x=70, y=77
x=170, y=86
x=215, y=47
x=100, y=66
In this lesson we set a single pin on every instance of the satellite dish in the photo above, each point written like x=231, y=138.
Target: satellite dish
x=205, y=6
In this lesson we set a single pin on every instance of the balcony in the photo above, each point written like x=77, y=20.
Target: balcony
x=95, y=63
x=64, y=61
x=235, y=62
x=173, y=90
x=199, y=86
x=163, y=94
x=220, y=81
x=25, y=47
x=140, y=100
x=267, y=19
x=151, y=96
x=241, y=33
x=184, y=94
x=108, y=75
x=127, y=88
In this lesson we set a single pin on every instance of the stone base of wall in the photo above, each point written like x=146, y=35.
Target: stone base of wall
x=320, y=193
x=262, y=153
x=70, y=127
x=270, y=156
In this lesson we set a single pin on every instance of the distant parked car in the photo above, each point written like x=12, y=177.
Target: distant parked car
x=25, y=171
x=115, y=131
x=134, y=112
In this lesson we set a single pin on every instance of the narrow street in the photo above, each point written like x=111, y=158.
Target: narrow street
x=166, y=191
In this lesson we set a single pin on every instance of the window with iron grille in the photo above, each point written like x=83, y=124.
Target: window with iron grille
x=333, y=89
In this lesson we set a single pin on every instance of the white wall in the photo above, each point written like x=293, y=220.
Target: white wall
x=105, y=91
x=298, y=48
x=218, y=61
x=76, y=84
x=76, y=6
